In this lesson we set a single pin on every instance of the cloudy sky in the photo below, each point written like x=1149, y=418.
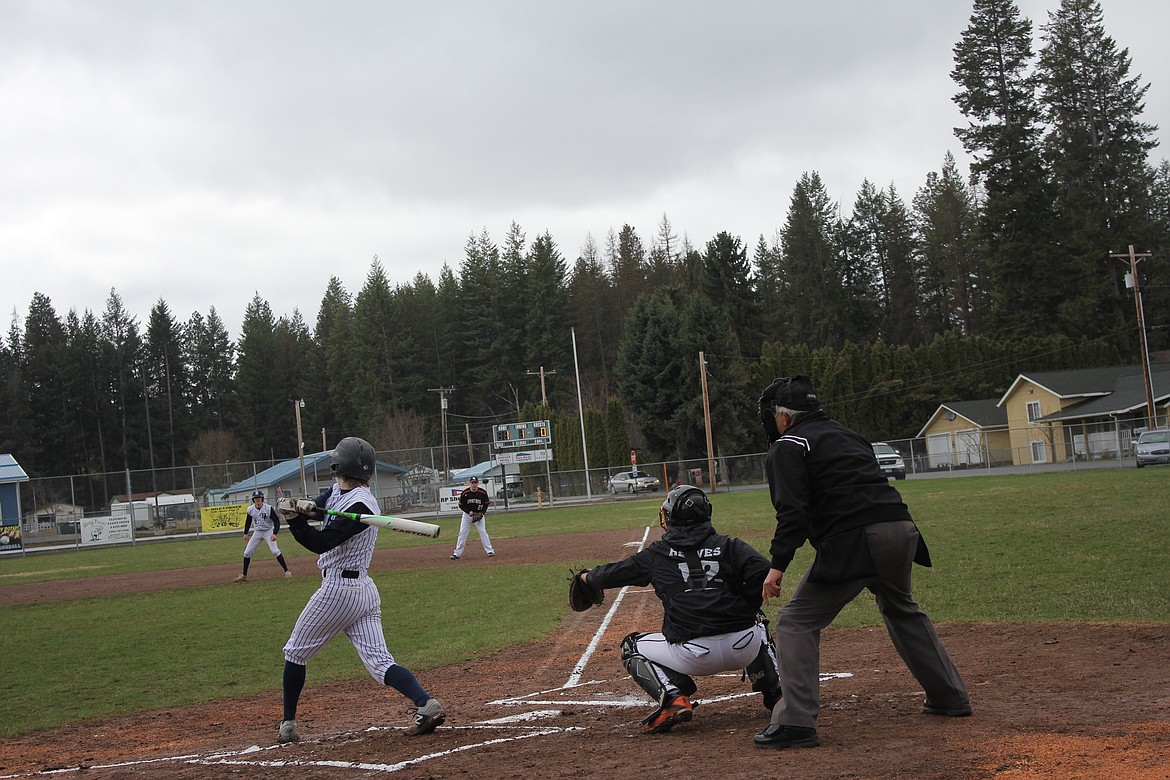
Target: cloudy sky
x=201, y=151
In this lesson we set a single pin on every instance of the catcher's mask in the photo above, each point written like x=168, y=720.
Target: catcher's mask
x=796, y=393
x=684, y=505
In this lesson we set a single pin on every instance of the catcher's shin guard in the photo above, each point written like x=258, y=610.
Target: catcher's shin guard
x=655, y=679
x=765, y=675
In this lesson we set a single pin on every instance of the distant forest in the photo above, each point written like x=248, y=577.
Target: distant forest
x=892, y=305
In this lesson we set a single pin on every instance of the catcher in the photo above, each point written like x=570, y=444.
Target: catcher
x=710, y=587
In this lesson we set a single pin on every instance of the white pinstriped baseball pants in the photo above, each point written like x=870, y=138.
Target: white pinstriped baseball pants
x=340, y=605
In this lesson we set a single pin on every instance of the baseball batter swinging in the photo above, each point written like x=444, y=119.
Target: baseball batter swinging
x=348, y=600
x=261, y=525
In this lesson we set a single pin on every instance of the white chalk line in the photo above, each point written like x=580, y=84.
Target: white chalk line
x=579, y=669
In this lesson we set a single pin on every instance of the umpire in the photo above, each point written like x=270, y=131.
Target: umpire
x=827, y=488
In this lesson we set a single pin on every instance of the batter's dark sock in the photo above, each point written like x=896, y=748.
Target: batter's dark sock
x=294, y=682
x=246, y=562
x=403, y=680
x=280, y=560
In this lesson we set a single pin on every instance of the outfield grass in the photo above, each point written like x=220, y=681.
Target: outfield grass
x=1077, y=546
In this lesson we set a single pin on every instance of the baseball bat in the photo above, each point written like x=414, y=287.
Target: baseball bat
x=400, y=524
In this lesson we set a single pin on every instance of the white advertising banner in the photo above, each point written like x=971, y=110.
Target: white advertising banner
x=110, y=529
x=526, y=456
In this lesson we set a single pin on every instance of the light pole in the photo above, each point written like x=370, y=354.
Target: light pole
x=1131, y=282
x=299, y=404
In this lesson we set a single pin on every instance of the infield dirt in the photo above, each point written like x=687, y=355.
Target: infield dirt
x=1070, y=701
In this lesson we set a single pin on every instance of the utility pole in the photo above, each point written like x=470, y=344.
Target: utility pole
x=1131, y=280
x=470, y=454
x=299, y=404
x=707, y=420
x=442, y=391
x=543, y=395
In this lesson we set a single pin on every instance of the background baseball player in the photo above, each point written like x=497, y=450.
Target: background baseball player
x=261, y=525
x=474, y=502
x=709, y=584
x=348, y=600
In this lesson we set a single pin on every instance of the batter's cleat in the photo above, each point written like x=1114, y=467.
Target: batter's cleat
x=427, y=718
x=454, y=557
x=288, y=732
x=241, y=578
x=954, y=711
x=287, y=574
x=781, y=737
x=662, y=720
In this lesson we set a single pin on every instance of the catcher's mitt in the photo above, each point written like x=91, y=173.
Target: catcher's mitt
x=582, y=595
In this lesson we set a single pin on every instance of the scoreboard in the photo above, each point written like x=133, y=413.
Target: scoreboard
x=525, y=434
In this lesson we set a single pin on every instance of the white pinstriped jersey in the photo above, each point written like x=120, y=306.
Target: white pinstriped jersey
x=357, y=551
x=262, y=518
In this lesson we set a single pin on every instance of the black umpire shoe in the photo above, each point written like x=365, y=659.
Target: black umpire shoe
x=953, y=711
x=780, y=737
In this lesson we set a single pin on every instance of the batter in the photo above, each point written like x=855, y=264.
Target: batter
x=348, y=600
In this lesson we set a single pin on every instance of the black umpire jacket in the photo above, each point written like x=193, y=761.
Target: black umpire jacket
x=709, y=583
x=826, y=485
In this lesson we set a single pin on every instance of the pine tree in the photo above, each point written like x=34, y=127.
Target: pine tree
x=949, y=276
x=812, y=266
x=993, y=68
x=1097, y=148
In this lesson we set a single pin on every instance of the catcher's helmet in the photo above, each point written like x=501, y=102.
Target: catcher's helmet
x=353, y=458
x=685, y=505
x=258, y=494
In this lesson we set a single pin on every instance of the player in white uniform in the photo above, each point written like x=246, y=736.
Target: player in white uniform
x=262, y=525
x=348, y=600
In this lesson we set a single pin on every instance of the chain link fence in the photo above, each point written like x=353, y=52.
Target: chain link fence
x=426, y=481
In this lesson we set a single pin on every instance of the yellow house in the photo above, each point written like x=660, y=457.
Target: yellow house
x=967, y=433
x=1056, y=416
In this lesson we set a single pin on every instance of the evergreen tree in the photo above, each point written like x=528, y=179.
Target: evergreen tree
x=1098, y=148
x=212, y=360
x=592, y=314
x=263, y=398
x=617, y=435
x=333, y=364
x=47, y=401
x=993, y=68
x=949, y=276
x=727, y=283
x=866, y=266
x=547, y=339
x=121, y=383
x=656, y=379
x=812, y=266
x=167, y=384
x=375, y=369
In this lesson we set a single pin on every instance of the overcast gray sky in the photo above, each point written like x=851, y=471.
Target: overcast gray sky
x=201, y=151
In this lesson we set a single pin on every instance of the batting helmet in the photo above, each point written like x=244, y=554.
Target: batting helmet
x=685, y=505
x=258, y=494
x=353, y=458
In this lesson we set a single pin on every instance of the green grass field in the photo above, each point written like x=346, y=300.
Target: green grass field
x=1077, y=546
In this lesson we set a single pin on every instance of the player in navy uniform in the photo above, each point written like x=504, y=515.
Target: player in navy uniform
x=262, y=525
x=473, y=501
x=709, y=584
x=348, y=600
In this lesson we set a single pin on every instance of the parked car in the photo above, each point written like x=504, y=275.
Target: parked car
x=1153, y=447
x=890, y=460
x=632, y=482
x=515, y=490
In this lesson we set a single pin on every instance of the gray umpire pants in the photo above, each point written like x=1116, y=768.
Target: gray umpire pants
x=815, y=605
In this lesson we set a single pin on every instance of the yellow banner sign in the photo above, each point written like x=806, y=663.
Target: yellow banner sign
x=223, y=518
